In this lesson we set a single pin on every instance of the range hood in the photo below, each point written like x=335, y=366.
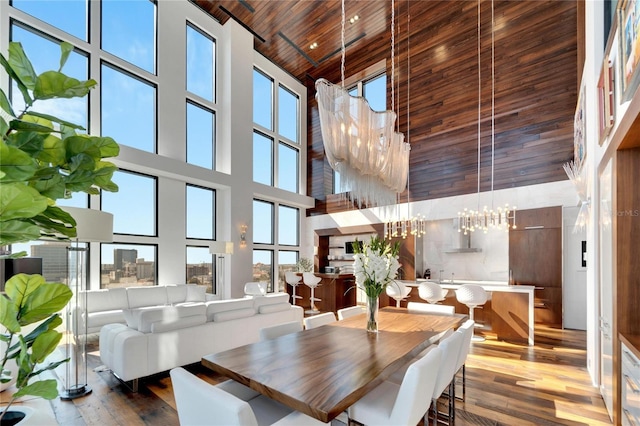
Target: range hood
x=464, y=242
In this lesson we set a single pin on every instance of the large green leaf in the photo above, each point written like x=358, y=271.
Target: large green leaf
x=81, y=161
x=15, y=164
x=4, y=127
x=54, y=84
x=8, y=314
x=65, y=49
x=56, y=120
x=5, y=104
x=53, y=151
x=18, y=231
x=29, y=127
x=36, y=299
x=20, y=201
x=108, y=147
x=29, y=142
x=23, y=89
x=81, y=144
x=51, y=225
x=44, y=345
x=21, y=65
x=47, y=389
x=53, y=188
x=104, y=174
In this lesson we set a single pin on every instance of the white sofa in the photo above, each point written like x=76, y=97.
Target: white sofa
x=108, y=306
x=161, y=338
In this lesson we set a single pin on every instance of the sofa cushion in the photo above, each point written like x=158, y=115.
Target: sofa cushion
x=132, y=316
x=146, y=296
x=98, y=319
x=270, y=299
x=107, y=300
x=195, y=293
x=235, y=314
x=217, y=306
x=169, y=314
x=176, y=293
x=190, y=321
x=276, y=307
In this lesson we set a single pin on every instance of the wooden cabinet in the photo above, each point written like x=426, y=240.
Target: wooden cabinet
x=535, y=258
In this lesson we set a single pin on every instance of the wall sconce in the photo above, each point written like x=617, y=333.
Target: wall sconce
x=243, y=235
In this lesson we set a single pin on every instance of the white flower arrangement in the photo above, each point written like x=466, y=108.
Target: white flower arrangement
x=375, y=265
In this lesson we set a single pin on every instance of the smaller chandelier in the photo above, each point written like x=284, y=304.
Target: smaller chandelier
x=504, y=218
x=402, y=228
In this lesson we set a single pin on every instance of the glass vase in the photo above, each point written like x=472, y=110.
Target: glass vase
x=372, y=314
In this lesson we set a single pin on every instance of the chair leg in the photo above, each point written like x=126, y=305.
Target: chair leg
x=293, y=294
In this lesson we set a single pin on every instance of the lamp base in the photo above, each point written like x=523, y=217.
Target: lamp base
x=75, y=391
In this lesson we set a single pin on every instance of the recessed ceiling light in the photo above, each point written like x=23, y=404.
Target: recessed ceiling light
x=354, y=19
x=313, y=45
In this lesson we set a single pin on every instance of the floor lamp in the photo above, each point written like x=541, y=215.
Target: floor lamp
x=220, y=249
x=91, y=226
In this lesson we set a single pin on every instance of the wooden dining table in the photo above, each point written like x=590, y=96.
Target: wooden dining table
x=324, y=370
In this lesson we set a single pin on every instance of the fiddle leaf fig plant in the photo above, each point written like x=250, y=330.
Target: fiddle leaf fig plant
x=27, y=300
x=44, y=158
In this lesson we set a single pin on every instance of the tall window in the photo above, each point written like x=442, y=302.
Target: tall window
x=276, y=239
x=201, y=98
x=69, y=16
x=275, y=165
x=137, y=193
x=374, y=90
x=129, y=31
x=127, y=265
x=201, y=207
x=200, y=268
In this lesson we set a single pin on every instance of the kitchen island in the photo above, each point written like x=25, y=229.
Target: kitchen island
x=509, y=311
x=332, y=292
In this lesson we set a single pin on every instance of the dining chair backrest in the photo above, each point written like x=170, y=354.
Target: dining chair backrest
x=318, y=320
x=450, y=350
x=466, y=330
x=429, y=307
x=431, y=292
x=349, y=312
x=271, y=332
x=310, y=279
x=414, y=396
x=197, y=400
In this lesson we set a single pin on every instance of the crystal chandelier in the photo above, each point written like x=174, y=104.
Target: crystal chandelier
x=502, y=218
x=361, y=144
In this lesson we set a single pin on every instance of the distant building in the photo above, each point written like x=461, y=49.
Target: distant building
x=54, y=260
x=122, y=257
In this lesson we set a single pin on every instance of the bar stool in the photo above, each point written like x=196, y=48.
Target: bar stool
x=398, y=291
x=312, y=282
x=432, y=292
x=293, y=280
x=472, y=296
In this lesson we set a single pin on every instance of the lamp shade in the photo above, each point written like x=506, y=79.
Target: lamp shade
x=221, y=247
x=92, y=225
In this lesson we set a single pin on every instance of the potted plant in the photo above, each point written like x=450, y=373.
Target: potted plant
x=28, y=299
x=42, y=158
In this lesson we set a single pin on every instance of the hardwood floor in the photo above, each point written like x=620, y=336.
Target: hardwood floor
x=507, y=384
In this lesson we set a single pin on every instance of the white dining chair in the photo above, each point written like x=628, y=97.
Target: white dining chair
x=312, y=281
x=400, y=404
x=466, y=330
x=428, y=307
x=398, y=291
x=450, y=350
x=432, y=292
x=349, y=312
x=200, y=403
x=271, y=332
x=293, y=280
x=319, y=320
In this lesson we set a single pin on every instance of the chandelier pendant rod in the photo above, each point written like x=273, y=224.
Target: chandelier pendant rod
x=479, y=100
x=493, y=101
x=342, y=47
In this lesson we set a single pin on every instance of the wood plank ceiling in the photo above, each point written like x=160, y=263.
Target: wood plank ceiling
x=536, y=69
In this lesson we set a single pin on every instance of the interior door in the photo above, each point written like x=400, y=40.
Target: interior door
x=606, y=287
x=574, y=271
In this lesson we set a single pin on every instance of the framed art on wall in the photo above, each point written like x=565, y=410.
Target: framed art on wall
x=629, y=42
x=606, y=100
x=579, y=128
